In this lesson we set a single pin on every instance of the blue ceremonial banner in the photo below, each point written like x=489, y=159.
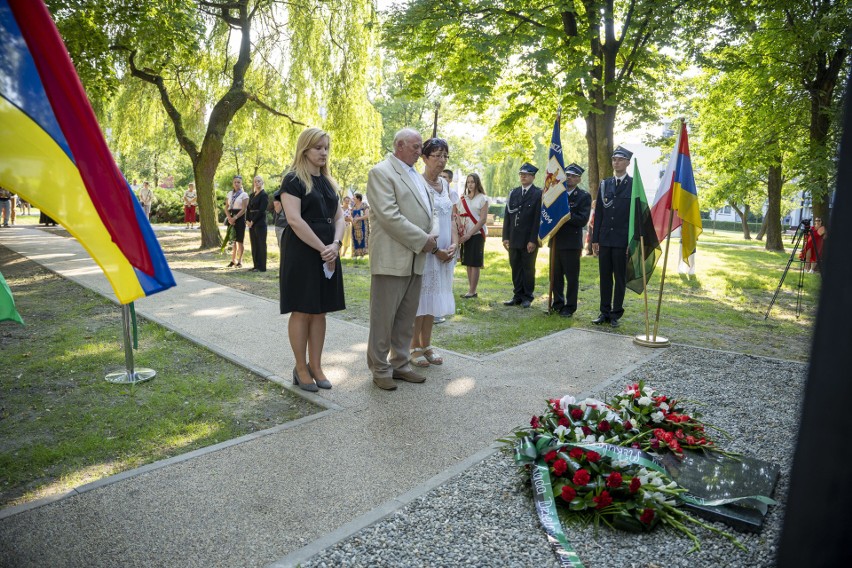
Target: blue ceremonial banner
x=554, y=198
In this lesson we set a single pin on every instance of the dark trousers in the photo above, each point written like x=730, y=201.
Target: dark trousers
x=613, y=266
x=523, y=272
x=566, y=266
x=257, y=237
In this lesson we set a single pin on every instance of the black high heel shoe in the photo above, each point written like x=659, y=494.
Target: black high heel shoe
x=321, y=383
x=310, y=387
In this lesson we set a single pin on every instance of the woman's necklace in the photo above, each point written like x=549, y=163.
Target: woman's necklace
x=436, y=183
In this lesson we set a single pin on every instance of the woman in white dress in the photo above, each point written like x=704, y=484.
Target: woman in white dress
x=436, y=295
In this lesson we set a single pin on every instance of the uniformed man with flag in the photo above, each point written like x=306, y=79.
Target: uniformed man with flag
x=568, y=245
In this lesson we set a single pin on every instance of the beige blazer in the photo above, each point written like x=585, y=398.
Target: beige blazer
x=400, y=222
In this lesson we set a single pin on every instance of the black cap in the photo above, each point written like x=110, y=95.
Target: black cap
x=622, y=152
x=528, y=168
x=575, y=169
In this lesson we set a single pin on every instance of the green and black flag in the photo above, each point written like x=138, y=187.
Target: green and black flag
x=641, y=225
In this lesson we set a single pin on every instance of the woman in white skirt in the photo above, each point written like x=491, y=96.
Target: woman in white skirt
x=436, y=294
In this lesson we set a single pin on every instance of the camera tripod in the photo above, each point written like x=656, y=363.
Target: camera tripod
x=803, y=229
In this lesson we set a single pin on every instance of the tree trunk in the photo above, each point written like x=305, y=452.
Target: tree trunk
x=208, y=216
x=762, y=230
x=743, y=220
x=599, y=129
x=774, y=239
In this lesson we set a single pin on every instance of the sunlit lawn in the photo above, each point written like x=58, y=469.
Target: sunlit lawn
x=722, y=306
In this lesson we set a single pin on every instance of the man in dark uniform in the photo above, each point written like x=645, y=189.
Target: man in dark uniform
x=568, y=245
x=520, y=235
x=609, y=237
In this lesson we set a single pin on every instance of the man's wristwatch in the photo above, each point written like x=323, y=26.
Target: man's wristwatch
x=435, y=250
x=339, y=243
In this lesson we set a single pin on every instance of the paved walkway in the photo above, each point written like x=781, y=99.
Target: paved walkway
x=275, y=497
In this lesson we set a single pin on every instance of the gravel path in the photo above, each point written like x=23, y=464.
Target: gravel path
x=485, y=516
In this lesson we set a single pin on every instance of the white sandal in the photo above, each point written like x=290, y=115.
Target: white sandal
x=434, y=358
x=420, y=360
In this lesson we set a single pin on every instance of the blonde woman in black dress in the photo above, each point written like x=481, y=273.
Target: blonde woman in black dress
x=311, y=280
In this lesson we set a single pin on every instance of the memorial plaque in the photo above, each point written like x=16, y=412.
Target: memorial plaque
x=711, y=476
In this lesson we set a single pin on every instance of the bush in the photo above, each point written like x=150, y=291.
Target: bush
x=167, y=206
x=729, y=226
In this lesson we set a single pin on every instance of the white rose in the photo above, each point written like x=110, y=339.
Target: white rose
x=644, y=401
x=657, y=416
x=664, y=406
x=565, y=401
x=560, y=431
x=578, y=433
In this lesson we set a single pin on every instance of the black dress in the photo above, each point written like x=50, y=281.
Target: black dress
x=304, y=287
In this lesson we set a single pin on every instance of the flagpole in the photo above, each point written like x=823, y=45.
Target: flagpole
x=550, y=272
x=645, y=285
x=129, y=375
x=663, y=277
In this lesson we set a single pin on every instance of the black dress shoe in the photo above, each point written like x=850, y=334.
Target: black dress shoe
x=565, y=313
x=526, y=304
x=614, y=323
x=600, y=319
x=512, y=302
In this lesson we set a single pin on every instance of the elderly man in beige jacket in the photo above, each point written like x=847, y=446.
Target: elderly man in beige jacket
x=402, y=230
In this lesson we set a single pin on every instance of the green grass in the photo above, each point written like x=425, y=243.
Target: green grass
x=62, y=424
x=721, y=307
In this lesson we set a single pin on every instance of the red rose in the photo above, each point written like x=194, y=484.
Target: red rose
x=647, y=516
x=534, y=422
x=668, y=437
x=564, y=422
x=575, y=453
x=680, y=435
x=568, y=493
x=550, y=456
x=576, y=413
x=614, y=480
x=628, y=425
x=702, y=441
x=559, y=467
x=635, y=484
x=603, y=500
x=655, y=443
x=593, y=457
x=581, y=477
x=691, y=440
x=603, y=426
x=586, y=430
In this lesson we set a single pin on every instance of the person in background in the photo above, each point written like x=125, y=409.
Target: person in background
x=236, y=203
x=279, y=219
x=347, y=219
x=473, y=212
x=360, y=227
x=520, y=235
x=190, y=202
x=311, y=279
x=24, y=205
x=146, y=198
x=812, y=251
x=567, y=245
x=609, y=237
x=403, y=225
x=256, y=222
x=436, y=294
x=5, y=204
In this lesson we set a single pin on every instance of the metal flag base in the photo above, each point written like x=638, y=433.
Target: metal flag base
x=128, y=378
x=645, y=341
